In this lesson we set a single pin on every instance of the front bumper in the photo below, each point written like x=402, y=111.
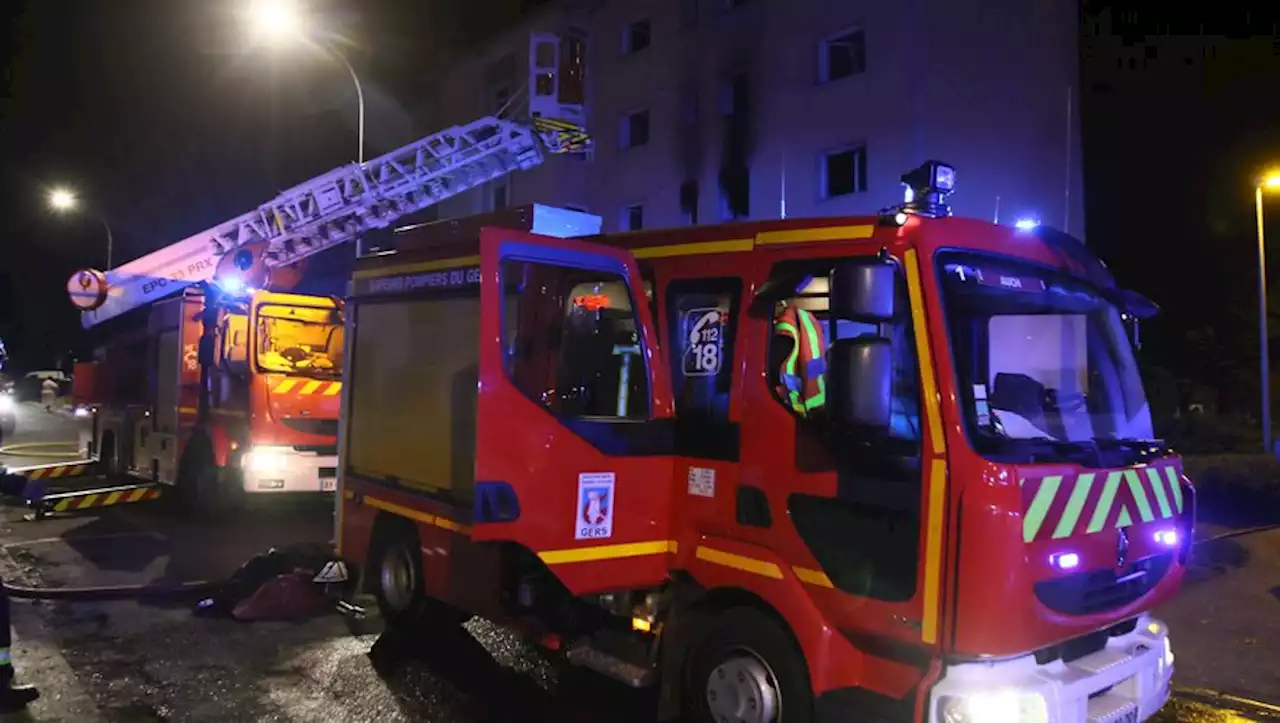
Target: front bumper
x=1125, y=682
x=267, y=470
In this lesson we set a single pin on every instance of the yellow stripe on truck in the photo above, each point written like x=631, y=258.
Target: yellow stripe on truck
x=935, y=513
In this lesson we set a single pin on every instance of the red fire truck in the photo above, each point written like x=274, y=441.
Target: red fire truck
x=898, y=467
x=273, y=379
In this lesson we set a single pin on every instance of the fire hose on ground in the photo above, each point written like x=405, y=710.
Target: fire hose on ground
x=105, y=593
x=23, y=450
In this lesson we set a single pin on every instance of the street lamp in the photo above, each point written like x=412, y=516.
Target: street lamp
x=280, y=21
x=63, y=200
x=1269, y=182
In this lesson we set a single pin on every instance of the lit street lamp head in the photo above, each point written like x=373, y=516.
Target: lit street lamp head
x=276, y=19
x=62, y=199
x=1271, y=181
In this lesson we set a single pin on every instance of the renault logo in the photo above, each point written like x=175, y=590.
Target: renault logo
x=1122, y=548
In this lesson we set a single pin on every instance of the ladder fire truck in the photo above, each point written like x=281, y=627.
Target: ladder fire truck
x=223, y=387
x=897, y=467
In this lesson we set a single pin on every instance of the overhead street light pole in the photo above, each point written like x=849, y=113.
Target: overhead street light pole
x=1270, y=182
x=64, y=200
x=279, y=20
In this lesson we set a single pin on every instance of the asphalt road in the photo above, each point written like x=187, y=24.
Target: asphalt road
x=37, y=436
x=153, y=660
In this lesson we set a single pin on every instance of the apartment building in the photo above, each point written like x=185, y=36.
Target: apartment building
x=712, y=110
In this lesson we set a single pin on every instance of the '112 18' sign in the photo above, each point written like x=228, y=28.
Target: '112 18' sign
x=704, y=334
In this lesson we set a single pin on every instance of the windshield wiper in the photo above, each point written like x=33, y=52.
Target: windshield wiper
x=1152, y=447
x=1044, y=449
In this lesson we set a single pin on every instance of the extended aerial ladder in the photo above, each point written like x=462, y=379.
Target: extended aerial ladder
x=338, y=206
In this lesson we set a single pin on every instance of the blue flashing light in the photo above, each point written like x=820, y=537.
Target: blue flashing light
x=232, y=285
x=1026, y=224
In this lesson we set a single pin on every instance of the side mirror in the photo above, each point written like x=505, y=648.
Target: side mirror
x=1137, y=305
x=865, y=292
x=861, y=382
x=1138, y=308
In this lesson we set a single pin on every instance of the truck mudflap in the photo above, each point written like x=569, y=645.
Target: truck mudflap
x=1125, y=682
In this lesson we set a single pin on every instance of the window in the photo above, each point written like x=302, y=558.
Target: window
x=498, y=196
x=572, y=342
x=842, y=56
x=702, y=318
x=734, y=94
x=689, y=14
x=635, y=37
x=299, y=340
x=632, y=217
x=809, y=304
x=635, y=129
x=735, y=194
x=689, y=202
x=844, y=172
x=544, y=61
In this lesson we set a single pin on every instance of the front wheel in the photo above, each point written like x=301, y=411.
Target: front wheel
x=746, y=668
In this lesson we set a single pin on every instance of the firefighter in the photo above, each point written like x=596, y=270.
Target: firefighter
x=802, y=376
x=12, y=697
x=48, y=393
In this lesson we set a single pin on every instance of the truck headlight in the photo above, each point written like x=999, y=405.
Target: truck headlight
x=6, y=402
x=995, y=706
x=265, y=459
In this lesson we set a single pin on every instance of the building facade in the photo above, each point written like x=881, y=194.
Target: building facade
x=705, y=111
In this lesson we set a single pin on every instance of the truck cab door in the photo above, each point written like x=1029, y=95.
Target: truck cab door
x=573, y=429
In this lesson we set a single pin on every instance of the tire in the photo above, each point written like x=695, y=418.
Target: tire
x=397, y=578
x=396, y=570
x=745, y=668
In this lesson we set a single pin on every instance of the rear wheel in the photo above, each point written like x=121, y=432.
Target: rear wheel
x=746, y=668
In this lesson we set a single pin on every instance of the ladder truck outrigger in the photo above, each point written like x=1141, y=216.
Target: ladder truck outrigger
x=223, y=382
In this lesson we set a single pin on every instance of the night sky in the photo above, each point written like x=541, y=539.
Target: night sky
x=167, y=120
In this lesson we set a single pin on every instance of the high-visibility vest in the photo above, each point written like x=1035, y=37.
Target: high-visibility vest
x=803, y=373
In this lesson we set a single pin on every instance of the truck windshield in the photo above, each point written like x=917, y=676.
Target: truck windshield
x=1045, y=369
x=299, y=340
